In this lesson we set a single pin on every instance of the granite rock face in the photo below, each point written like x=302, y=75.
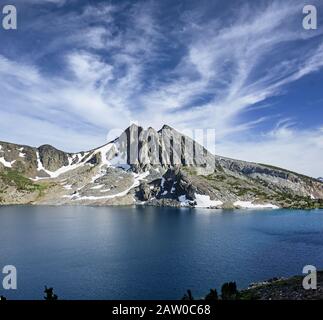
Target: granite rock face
x=51, y=158
x=159, y=168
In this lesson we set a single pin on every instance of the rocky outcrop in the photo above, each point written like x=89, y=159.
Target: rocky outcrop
x=18, y=157
x=144, y=193
x=149, y=167
x=283, y=289
x=51, y=158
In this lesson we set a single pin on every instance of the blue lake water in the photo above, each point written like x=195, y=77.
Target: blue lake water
x=152, y=253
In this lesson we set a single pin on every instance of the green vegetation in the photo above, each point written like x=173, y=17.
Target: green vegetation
x=291, y=201
x=215, y=177
x=259, y=189
x=190, y=170
x=15, y=179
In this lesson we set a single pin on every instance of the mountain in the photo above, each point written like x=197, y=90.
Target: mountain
x=160, y=168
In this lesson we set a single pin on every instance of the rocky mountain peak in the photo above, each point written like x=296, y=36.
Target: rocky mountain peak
x=161, y=167
x=51, y=158
x=166, y=127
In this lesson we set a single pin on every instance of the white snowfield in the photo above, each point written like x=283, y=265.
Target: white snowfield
x=137, y=179
x=250, y=205
x=117, y=161
x=6, y=163
x=104, y=162
x=64, y=169
x=184, y=201
x=21, y=154
x=203, y=201
x=100, y=186
x=103, y=151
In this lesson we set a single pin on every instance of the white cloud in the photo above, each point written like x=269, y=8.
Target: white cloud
x=107, y=78
x=297, y=150
x=233, y=64
x=35, y=132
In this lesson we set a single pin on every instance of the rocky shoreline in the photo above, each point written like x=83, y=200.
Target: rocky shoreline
x=283, y=289
x=270, y=290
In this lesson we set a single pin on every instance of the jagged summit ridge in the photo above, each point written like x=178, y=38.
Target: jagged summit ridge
x=145, y=166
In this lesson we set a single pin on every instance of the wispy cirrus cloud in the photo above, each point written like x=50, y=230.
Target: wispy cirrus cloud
x=102, y=66
x=237, y=66
x=285, y=146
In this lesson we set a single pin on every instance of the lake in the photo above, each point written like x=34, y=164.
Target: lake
x=152, y=253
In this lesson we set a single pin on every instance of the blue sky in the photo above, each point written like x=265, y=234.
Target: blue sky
x=76, y=71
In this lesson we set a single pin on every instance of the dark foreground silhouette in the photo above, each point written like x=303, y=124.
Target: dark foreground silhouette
x=273, y=289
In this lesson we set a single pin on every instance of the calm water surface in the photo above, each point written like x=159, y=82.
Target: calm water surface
x=152, y=253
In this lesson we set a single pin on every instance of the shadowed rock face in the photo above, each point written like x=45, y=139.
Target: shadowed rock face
x=156, y=167
x=166, y=148
x=51, y=158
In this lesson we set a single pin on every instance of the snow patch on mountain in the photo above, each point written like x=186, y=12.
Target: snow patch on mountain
x=6, y=163
x=119, y=160
x=250, y=205
x=21, y=154
x=60, y=171
x=203, y=201
x=104, y=161
x=184, y=202
x=100, y=186
x=136, y=183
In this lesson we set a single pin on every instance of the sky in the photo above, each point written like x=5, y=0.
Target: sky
x=76, y=73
